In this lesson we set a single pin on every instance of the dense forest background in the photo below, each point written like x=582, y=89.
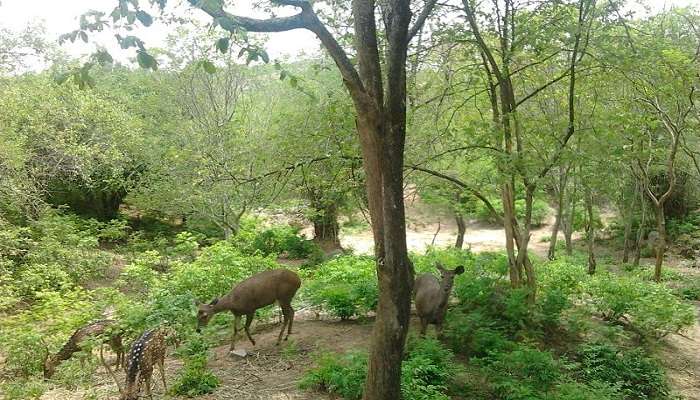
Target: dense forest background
x=567, y=130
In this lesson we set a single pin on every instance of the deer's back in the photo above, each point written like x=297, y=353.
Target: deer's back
x=264, y=288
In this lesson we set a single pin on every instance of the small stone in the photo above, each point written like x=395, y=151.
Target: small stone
x=242, y=353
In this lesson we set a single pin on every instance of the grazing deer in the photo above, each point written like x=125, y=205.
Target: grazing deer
x=106, y=328
x=147, y=351
x=258, y=291
x=431, y=297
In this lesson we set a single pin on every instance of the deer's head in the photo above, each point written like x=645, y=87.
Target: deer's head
x=448, y=277
x=204, y=313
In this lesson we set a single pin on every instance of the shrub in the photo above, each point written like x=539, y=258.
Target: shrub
x=524, y=373
x=426, y=372
x=194, y=379
x=345, y=286
x=218, y=268
x=282, y=241
x=650, y=309
x=637, y=375
x=341, y=375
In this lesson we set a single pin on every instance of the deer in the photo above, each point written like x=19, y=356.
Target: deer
x=146, y=352
x=431, y=296
x=106, y=329
x=260, y=290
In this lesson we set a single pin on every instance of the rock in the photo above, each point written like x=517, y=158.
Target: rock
x=241, y=353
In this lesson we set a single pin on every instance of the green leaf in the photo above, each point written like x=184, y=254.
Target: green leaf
x=84, y=36
x=103, y=57
x=264, y=56
x=223, y=45
x=144, y=17
x=116, y=14
x=131, y=17
x=208, y=67
x=145, y=60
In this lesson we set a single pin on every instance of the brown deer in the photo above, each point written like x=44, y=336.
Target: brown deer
x=260, y=290
x=147, y=351
x=431, y=297
x=106, y=328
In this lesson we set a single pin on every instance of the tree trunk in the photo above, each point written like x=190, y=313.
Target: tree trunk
x=568, y=225
x=561, y=187
x=590, y=232
x=640, y=234
x=461, y=230
x=629, y=220
x=661, y=241
x=394, y=269
x=510, y=226
x=326, y=227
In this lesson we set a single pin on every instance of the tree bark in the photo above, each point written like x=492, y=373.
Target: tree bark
x=661, y=241
x=590, y=232
x=568, y=222
x=561, y=187
x=640, y=232
x=461, y=230
x=326, y=227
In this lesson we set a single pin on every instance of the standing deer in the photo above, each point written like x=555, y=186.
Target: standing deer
x=106, y=328
x=147, y=351
x=431, y=297
x=260, y=290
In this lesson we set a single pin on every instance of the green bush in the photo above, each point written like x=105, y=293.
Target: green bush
x=635, y=374
x=217, y=269
x=426, y=372
x=194, y=379
x=279, y=240
x=524, y=373
x=23, y=389
x=345, y=286
x=650, y=309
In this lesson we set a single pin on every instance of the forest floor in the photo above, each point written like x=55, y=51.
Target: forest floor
x=273, y=372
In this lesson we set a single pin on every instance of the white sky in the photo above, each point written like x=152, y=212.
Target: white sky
x=61, y=16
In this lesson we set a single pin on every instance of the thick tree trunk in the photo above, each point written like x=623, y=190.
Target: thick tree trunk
x=640, y=234
x=509, y=225
x=590, y=232
x=461, y=230
x=661, y=241
x=523, y=259
x=326, y=227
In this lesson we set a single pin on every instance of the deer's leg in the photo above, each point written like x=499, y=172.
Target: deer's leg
x=423, y=326
x=291, y=320
x=286, y=313
x=161, y=368
x=236, y=321
x=248, y=321
x=147, y=378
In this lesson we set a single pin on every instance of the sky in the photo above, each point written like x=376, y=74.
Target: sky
x=61, y=16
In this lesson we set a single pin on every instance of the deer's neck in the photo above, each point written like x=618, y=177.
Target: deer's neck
x=67, y=350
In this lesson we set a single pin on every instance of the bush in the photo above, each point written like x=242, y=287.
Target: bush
x=650, y=309
x=426, y=372
x=524, y=373
x=637, y=375
x=341, y=375
x=282, y=241
x=345, y=286
x=194, y=379
x=218, y=268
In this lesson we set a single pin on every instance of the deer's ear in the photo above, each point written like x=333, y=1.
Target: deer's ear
x=459, y=270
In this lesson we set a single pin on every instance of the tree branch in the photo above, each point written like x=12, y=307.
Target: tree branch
x=422, y=17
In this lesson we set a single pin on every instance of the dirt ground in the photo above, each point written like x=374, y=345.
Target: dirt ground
x=268, y=372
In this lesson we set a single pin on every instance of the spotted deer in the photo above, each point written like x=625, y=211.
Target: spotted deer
x=260, y=290
x=146, y=352
x=106, y=329
x=431, y=296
